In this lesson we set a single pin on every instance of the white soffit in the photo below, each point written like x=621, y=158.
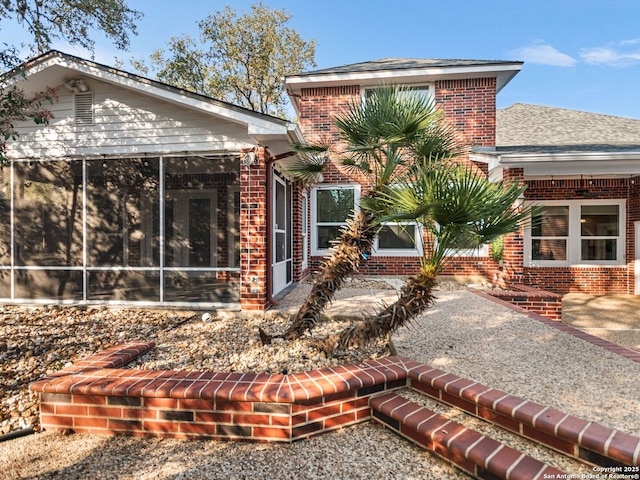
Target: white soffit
x=504, y=74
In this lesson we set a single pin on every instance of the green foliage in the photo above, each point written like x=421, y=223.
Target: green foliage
x=497, y=249
x=241, y=59
x=70, y=20
x=16, y=106
x=459, y=207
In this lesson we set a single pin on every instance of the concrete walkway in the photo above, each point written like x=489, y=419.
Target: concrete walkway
x=615, y=318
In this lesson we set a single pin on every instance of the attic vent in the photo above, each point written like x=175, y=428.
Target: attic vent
x=83, y=108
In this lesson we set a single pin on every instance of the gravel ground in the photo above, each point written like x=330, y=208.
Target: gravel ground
x=464, y=334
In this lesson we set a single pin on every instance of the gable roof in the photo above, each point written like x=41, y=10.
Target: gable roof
x=547, y=141
x=61, y=67
x=405, y=70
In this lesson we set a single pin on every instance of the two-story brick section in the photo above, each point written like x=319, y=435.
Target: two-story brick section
x=465, y=90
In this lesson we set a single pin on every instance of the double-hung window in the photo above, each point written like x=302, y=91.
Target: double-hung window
x=574, y=232
x=331, y=206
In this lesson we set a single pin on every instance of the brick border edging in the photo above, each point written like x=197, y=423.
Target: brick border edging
x=625, y=352
x=93, y=396
x=475, y=453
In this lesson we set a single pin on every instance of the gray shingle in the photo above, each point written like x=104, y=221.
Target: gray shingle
x=404, y=64
x=536, y=128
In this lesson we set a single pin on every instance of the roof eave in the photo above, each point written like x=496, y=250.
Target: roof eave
x=503, y=72
x=254, y=120
x=568, y=164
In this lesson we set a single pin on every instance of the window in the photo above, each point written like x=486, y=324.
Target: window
x=396, y=239
x=331, y=207
x=305, y=231
x=423, y=90
x=577, y=232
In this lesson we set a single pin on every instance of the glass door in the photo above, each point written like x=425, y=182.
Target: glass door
x=282, y=252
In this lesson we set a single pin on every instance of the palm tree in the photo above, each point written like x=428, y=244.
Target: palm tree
x=459, y=209
x=379, y=138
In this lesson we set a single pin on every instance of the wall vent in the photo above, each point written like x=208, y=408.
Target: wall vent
x=83, y=108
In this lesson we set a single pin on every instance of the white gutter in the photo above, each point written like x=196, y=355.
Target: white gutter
x=569, y=163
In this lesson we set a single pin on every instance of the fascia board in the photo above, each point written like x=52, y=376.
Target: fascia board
x=252, y=122
x=412, y=75
x=576, y=163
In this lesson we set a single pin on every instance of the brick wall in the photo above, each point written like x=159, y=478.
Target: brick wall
x=545, y=303
x=253, y=234
x=592, y=278
x=469, y=104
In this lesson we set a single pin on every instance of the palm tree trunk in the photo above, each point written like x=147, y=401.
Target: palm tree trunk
x=351, y=248
x=415, y=297
x=353, y=244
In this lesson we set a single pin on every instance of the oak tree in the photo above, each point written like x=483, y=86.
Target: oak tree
x=241, y=58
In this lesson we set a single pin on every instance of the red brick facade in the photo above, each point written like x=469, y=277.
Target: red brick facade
x=589, y=279
x=469, y=104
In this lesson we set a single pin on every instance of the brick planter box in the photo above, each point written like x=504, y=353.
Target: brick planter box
x=97, y=396
x=531, y=299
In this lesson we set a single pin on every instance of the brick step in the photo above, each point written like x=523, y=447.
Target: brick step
x=478, y=455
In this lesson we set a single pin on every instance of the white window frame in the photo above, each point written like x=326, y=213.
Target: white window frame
x=304, y=233
x=429, y=87
x=315, y=250
x=574, y=239
x=481, y=251
x=401, y=252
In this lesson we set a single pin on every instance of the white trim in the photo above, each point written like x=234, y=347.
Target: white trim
x=577, y=164
x=503, y=72
x=315, y=251
x=636, y=226
x=305, y=231
x=574, y=237
x=401, y=252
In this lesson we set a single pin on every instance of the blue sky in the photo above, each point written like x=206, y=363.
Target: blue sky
x=578, y=54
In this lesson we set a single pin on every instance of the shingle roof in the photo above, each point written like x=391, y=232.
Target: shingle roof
x=536, y=128
x=403, y=64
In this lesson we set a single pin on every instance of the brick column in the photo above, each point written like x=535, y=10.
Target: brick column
x=253, y=234
x=513, y=247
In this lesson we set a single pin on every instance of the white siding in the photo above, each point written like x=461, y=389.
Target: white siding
x=126, y=122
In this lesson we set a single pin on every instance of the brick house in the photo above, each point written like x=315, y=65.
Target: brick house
x=584, y=169
x=464, y=89
x=139, y=193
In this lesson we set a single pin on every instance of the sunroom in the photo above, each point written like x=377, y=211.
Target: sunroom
x=136, y=193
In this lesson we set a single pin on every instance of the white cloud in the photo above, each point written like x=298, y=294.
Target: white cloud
x=619, y=55
x=544, y=54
